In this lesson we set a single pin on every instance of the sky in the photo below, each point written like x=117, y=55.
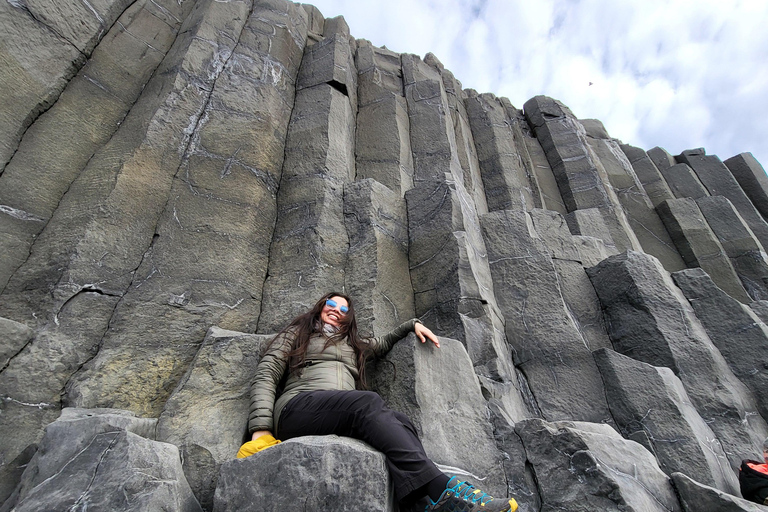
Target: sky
x=677, y=74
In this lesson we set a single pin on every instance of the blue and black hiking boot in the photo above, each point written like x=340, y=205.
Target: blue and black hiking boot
x=463, y=497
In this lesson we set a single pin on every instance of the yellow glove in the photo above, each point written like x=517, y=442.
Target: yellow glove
x=256, y=445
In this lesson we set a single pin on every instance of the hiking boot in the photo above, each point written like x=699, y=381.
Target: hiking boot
x=463, y=497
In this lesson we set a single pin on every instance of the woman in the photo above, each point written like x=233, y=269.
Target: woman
x=317, y=361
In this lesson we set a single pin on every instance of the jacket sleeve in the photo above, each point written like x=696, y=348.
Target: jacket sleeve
x=384, y=344
x=269, y=372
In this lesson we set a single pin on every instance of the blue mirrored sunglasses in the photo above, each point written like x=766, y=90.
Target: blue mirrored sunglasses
x=332, y=304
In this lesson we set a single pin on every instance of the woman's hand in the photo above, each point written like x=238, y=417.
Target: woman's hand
x=423, y=333
x=260, y=433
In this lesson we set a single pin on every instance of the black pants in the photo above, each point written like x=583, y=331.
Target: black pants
x=362, y=415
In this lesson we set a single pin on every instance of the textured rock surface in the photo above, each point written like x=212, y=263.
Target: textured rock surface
x=354, y=477
x=650, y=320
x=696, y=497
x=650, y=403
x=586, y=466
x=102, y=459
x=177, y=175
x=736, y=331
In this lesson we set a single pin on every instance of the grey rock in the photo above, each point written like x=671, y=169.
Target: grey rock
x=56, y=148
x=13, y=338
x=589, y=222
x=585, y=466
x=752, y=178
x=451, y=277
x=328, y=473
x=506, y=183
x=308, y=250
x=212, y=188
x=581, y=183
x=650, y=320
x=465, y=143
x=376, y=271
x=661, y=158
x=739, y=243
x=439, y=393
x=653, y=182
x=382, y=138
x=11, y=472
x=699, y=246
x=640, y=212
x=652, y=400
x=720, y=182
x=570, y=255
x=207, y=414
x=114, y=470
x=330, y=61
x=683, y=182
x=37, y=64
x=760, y=308
x=736, y=331
x=697, y=497
x=548, y=348
x=595, y=129
x=521, y=481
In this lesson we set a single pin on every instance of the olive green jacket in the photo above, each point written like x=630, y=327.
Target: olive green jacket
x=333, y=367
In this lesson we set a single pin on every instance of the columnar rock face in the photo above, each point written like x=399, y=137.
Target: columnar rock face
x=176, y=176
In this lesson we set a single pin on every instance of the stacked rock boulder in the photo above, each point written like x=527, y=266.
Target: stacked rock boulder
x=178, y=179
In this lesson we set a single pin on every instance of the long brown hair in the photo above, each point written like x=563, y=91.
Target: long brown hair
x=303, y=326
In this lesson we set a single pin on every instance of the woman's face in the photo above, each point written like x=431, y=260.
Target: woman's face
x=332, y=314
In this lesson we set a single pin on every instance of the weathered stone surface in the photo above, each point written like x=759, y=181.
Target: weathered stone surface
x=640, y=212
x=331, y=61
x=585, y=466
x=108, y=468
x=696, y=497
x=308, y=250
x=720, y=182
x=507, y=186
x=207, y=414
x=10, y=474
x=589, y=222
x=382, y=138
x=683, y=182
x=57, y=147
x=222, y=193
x=651, y=401
x=752, y=178
x=661, y=158
x=451, y=279
x=376, y=272
x=736, y=331
x=328, y=473
x=760, y=308
x=699, y=246
x=465, y=143
x=439, y=393
x=650, y=320
x=570, y=255
x=574, y=165
x=548, y=347
x=653, y=182
x=36, y=66
x=739, y=243
x=13, y=338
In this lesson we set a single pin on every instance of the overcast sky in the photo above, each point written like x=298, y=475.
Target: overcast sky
x=672, y=73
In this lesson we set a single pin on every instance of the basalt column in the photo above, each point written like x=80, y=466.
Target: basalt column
x=85, y=260
x=223, y=195
x=310, y=244
x=581, y=183
x=451, y=279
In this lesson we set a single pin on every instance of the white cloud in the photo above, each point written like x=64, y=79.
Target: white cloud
x=674, y=73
